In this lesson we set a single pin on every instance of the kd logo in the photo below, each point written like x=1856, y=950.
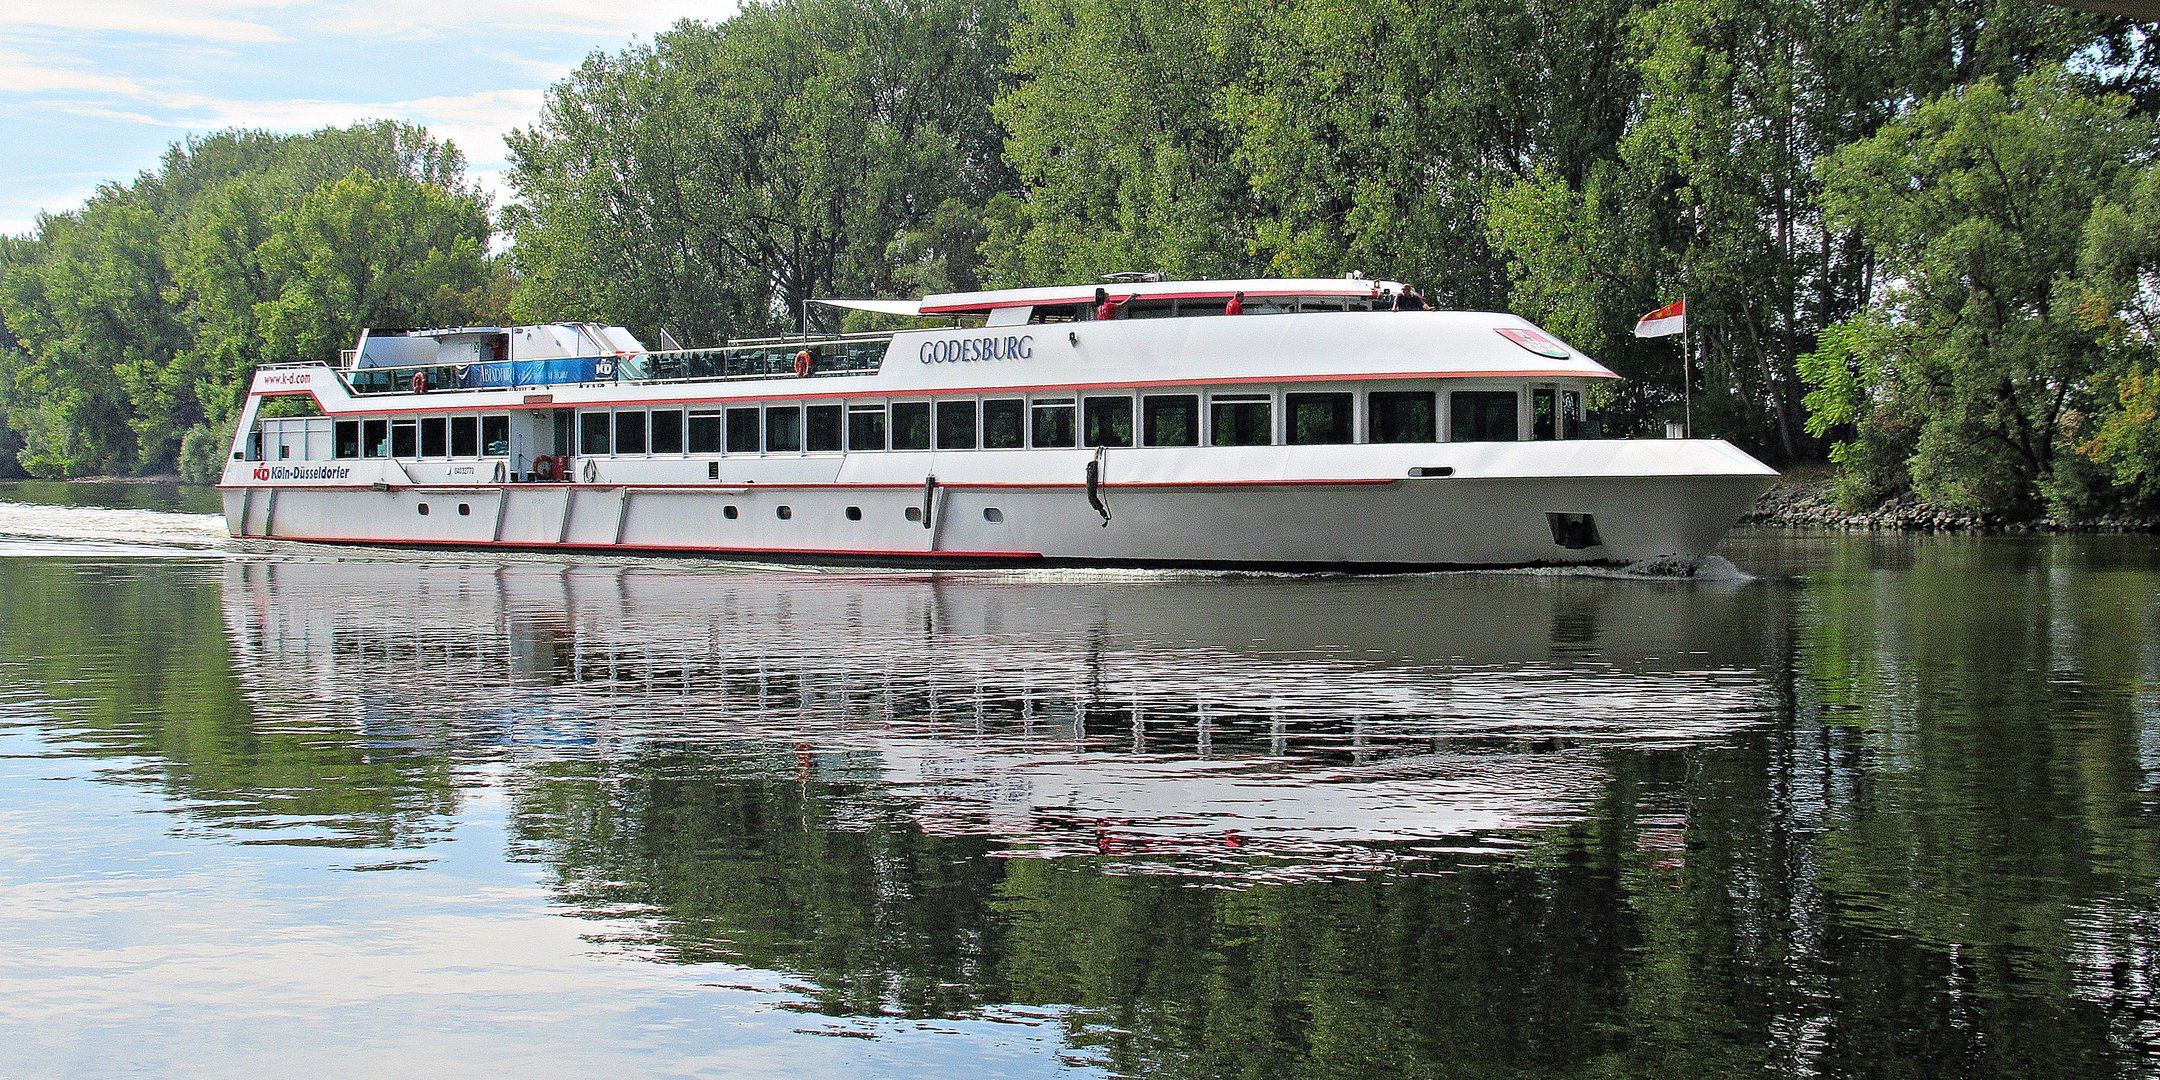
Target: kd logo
x=262, y=473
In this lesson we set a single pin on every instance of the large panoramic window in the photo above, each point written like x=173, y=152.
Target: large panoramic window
x=705, y=433
x=783, y=429
x=593, y=429
x=1241, y=420
x=1107, y=421
x=866, y=427
x=911, y=425
x=374, y=438
x=1003, y=424
x=1053, y=423
x=348, y=439
x=495, y=436
x=667, y=431
x=743, y=436
x=956, y=425
x=1170, y=419
x=1401, y=416
x=1481, y=416
x=434, y=436
x=464, y=436
x=404, y=439
x=630, y=431
x=1320, y=419
x=821, y=434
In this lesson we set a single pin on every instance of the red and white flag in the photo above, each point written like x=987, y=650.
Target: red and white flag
x=1664, y=322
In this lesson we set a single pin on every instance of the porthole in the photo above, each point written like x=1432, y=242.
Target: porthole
x=730, y=513
x=914, y=513
x=423, y=510
x=993, y=515
x=784, y=512
x=464, y=509
x=854, y=513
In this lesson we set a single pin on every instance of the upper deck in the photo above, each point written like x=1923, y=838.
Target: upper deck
x=1159, y=333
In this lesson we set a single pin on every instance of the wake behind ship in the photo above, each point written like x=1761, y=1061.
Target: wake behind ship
x=1284, y=424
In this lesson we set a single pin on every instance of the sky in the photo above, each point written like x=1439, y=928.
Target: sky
x=95, y=90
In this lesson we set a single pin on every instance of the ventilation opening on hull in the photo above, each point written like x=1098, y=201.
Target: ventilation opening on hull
x=1573, y=531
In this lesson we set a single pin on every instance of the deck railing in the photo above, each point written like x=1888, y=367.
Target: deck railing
x=850, y=354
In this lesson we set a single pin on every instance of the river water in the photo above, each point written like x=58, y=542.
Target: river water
x=1847, y=806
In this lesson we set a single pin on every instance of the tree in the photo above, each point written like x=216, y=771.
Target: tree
x=367, y=252
x=718, y=179
x=1977, y=206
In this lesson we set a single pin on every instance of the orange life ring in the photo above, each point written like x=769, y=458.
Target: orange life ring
x=544, y=467
x=419, y=382
x=802, y=364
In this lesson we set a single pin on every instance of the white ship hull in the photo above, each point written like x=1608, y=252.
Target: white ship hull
x=1350, y=508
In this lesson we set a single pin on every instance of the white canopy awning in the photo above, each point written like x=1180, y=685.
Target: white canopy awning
x=882, y=307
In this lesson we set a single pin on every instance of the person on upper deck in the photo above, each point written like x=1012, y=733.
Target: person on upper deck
x=1106, y=308
x=1409, y=299
x=1236, y=306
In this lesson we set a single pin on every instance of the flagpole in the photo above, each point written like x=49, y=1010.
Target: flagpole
x=1687, y=374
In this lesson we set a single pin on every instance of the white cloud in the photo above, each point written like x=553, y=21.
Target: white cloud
x=586, y=18
x=201, y=20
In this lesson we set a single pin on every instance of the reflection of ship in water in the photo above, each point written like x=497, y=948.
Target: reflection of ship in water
x=1128, y=715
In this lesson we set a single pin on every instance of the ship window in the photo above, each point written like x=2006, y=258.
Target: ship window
x=1054, y=423
x=1241, y=420
x=1170, y=419
x=1571, y=414
x=464, y=509
x=743, y=436
x=1401, y=416
x=784, y=512
x=374, y=438
x=1108, y=421
x=667, y=433
x=912, y=513
x=348, y=439
x=730, y=513
x=1320, y=419
x=956, y=425
x=464, y=436
x=704, y=433
x=1481, y=416
x=434, y=437
x=1054, y=313
x=495, y=436
x=911, y=425
x=823, y=434
x=423, y=509
x=866, y=427
x=1001, y=423
x=1543, y=405
x=630, y=431
x=783, y=429
x=593, y=429
x=993, y=515
x=404, y=438
x=854, y=513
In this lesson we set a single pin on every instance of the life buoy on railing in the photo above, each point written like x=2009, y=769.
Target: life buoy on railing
x=802, y=364
x=544, y=467
x=419, y=382
x=592, y=470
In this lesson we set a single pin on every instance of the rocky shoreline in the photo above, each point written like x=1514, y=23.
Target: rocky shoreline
x=1809, y=504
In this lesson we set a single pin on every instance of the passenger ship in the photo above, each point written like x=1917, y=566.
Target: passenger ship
x=1317, y=428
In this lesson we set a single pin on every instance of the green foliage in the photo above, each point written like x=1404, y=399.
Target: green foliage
x=141, y=315
x=1977, y=205
x=716, y=180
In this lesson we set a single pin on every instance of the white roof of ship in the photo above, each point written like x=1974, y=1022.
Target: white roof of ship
x=977, y=302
